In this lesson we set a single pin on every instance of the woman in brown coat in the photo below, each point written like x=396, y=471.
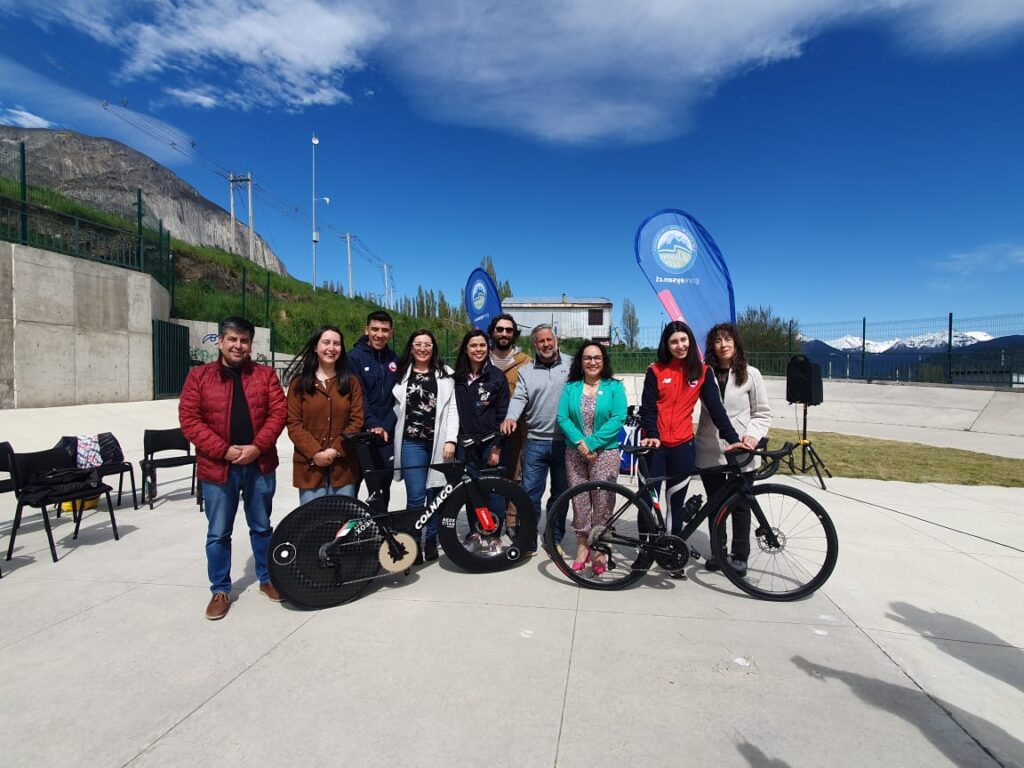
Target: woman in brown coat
x=324, y=402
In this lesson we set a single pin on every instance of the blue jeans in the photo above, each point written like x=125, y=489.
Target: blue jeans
x=415, y=455
x=257, y=492
x=540, y=457
x=306, y=495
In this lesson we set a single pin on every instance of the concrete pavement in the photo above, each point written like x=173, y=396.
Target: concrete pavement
x=911, y=655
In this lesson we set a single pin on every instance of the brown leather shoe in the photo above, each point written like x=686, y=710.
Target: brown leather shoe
x=219, y=605
x=270, y=591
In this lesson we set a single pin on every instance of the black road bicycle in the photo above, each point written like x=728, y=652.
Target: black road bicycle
x=783, y=544
x=327, y=552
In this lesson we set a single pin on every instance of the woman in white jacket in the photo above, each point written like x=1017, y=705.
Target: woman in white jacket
x=428, y=425
x=746, y=402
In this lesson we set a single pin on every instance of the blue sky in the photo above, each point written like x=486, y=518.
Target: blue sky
x=850, y=159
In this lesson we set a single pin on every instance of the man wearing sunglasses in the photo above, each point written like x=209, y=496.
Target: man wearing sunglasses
x=507, y=357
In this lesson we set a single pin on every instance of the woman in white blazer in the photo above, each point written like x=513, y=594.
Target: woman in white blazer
x=746, y=402
x=428, y=425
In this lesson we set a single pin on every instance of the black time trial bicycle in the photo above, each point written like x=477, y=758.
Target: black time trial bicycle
x=772, y=541
x=328, y=551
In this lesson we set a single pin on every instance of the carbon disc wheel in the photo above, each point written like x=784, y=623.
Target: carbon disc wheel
x=325, y=553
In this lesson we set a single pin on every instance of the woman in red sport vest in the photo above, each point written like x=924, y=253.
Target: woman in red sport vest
x=672, y=387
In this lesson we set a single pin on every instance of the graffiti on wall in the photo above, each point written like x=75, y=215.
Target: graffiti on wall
x=208, y=352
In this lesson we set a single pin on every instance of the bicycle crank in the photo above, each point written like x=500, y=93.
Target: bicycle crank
x=671, y=553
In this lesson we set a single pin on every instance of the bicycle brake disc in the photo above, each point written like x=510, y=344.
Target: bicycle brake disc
x=671, y=553
x=398, y=564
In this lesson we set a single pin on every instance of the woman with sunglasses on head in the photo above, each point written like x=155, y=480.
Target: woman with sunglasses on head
x=324, y=402
x=672, y=387
x=746, y=403
x=591, y=412
x=428, y=425
x=481, y=393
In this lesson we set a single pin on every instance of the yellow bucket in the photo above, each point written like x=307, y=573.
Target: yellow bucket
x=69, y=506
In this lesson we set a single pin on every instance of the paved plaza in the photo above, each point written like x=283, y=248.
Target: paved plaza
x=911, y=655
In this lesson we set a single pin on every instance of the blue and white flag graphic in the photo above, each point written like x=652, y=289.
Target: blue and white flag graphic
x=482, y=300
x=686, y=271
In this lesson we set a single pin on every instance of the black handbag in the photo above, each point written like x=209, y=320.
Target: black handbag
x=57, y=483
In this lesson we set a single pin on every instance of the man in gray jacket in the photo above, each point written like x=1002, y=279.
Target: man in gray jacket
x=537, y=394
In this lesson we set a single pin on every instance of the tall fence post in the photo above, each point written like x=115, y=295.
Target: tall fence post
x=266, y=301
x=949, y=351
x=789, y=339
x=864, y=348
x=160, y=255
x=138, y=225
x=23, y=192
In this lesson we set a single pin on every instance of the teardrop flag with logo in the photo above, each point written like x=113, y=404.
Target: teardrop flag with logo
x=686, y=270
x=482, y=300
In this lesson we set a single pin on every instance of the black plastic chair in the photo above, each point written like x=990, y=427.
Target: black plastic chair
x=157, y=441
x=6, y=486
x=28, y=465
x=113, y=462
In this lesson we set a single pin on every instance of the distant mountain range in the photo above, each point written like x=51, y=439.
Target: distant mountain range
x=924, y=341
x=907, y=359
x=106, y=174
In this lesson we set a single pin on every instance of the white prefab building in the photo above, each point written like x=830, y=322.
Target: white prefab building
x=583, y=318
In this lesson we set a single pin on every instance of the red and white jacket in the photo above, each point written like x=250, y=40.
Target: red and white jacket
x=668, y=400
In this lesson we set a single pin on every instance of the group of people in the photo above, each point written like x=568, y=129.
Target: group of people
x=540, y=418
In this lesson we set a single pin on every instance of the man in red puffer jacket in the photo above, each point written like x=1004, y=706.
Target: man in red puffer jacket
x=233, y=410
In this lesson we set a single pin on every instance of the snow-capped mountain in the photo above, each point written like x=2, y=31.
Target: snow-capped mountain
x=854, y=342
x=934, y=340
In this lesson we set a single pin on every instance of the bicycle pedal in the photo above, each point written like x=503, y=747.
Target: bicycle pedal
x=696, y=555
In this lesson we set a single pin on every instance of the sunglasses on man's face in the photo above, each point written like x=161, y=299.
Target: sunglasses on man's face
x=504, y=330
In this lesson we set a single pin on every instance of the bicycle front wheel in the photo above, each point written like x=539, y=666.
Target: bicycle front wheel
x=325, y=553
x=622, y=527
x=784, y=536
x=478, y=551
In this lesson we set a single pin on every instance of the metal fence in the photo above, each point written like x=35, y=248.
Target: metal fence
x=34, y=212
x=985, y=350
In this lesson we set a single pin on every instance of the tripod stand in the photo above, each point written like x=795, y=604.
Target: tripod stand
x=807, y=450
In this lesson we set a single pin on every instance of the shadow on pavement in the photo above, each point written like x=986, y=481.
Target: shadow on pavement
x=961, y=640
x=952, y=732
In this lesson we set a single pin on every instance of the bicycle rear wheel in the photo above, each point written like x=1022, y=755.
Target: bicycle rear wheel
x=621, y=539
x=785, y=537
x=474, y=550
x=325, y=553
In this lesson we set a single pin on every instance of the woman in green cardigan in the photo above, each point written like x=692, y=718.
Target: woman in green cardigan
x=590, y=414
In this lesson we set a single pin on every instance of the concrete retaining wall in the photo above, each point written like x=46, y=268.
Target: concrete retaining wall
x=74, y=331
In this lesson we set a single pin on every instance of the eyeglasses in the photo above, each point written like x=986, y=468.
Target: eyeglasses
x=504, y=330
x=422, y=345
x=592, y=359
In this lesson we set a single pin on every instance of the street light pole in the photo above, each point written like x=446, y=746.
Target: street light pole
x=316, y=235
x=327, y=201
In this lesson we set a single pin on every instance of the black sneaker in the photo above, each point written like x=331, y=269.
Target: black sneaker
x=740, y=566
x=430, y=550
x=711, y=564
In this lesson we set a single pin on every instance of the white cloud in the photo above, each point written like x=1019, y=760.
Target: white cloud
x=192, y=97
x=994, y=257
x=35, y=94
x=566, y=71
x=22, y=118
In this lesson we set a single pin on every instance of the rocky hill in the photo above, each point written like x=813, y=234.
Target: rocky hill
x=106, y=174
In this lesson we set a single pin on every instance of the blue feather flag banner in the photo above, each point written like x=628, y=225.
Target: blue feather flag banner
x=686, y=270
x=482, y=300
